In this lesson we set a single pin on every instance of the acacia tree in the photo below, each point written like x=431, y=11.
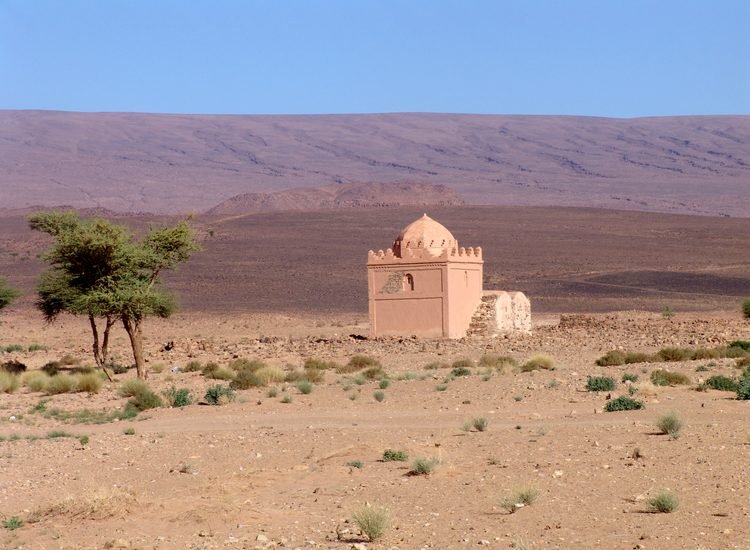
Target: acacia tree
x=7, y=294
x=97, y=269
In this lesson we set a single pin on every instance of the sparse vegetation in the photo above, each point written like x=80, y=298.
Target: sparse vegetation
x=538, y=362
x=13, y=523
x=379, y=396
x=8, y=294
x=219, y=373
x=219, y=395
x=193, y=366
x=663, y=377
x=746, y=308
x=623, y=403
x=384, y=383
x=372, y=521
x=629, y=377
x=460, y=371
x=271, y=375
x=743, y=386
x=721, y=383
x=390, y=455
x=423, y=466
x=600, y=383
x=436, y=365
x=524, y=496
x=177, y=397
x=502, y=363
x=245, y=379
x=305, y=387
x=612, y=358
x=670, y=424
x=480, y=424
x=318, y=364
x=358, y=363
x=9, y=383
x=664, y=502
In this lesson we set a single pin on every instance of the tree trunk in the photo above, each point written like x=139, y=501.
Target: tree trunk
x=100, y=352
x=133, y=328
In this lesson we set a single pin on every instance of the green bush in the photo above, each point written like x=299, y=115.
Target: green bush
x=374, y=373
x=733, y=352
x=270, y=375
x=612, y=358
x=662, y=377
x=219, y=395
x=629, y=377
x=37, y=347
x=670, y=424
x=62, y=383
x=746, y=308
x=623, y=403
x=664, y=502
x=13, y=347
x=391, y=455
x=632, y=357
x=318, y=364
x=357, y=363
x=423, y=466
x=743, y=386
x=131, y=387
x=177, y=398
x=462, y=363
x=241, y=364
x=460, y=371
x=498, y=362
x=220, y=373
x=705, y=353
x=742, y=344
x=675, y=354
x=145, y=399
x=35, y=380
x=480, y=424
x=384, y=383
x=538, y=362
x=379, y=396
x=244, y=380
x=721, y=383
x=90, y=382
x=193, y=366
x=524, y=496
x=600, y=383
x=305, y=387
x=371, y=521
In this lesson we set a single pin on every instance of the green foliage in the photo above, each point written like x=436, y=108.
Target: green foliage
x=384, y=383
x=743, y=386
x=219, y=395
x=319, y=364
x=177, y=398
x=7, y=293
x=623, y=403
x=423, y=466
x=374, y=373
x=742, y=344
x=241, y=364
x=670, y=424
x=675, y=354
x=662, y=377
x=9, y=382
x=245, y=379
x=305, y=387
x=61, y=383
x=480, y=424
x=272, y=375
x=37, y=347
x=286, y=399
x=664, y=502
x=55, y=434
x=193, y=366
x=356, y=464
x=600, y=383
x=272, y=392
x=632, y=357
x=98, y=270
x=721, y=383
x=521, y=497
x=13, y=523
x=357, y=363
x=379, y=396
x=462, y=364
x=371, y=521
x=705, y=353
x=629, y=377
x=129, y=431
x=83, y=440
x=746, y=308
x=89, y=382
x=667, y=312
x=391, y=455
x=460, y=371
x=145, y=399
x=538, y=362
x=220, y=373
x=10, y=348
x=611, y=359
x=441, y=387
x=435, y=365
x=132, y=387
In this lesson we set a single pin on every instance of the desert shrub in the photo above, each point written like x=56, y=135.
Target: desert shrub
x=241, y=364
x=90, y=382
x=733, y=352
x=705, y=353
x=675, y=354
x=441, y=387
x=356, y=464
x=371, y=521
x=664, y=502
x=13, y=523
x=158, y=368
x=662, y=377
x=480, y=424
x=435, y=365
x=318, y=364
x=244, y=380
x=460, y=371
x=743, y=386
x=144, y=398
x=384, y=383
x=391, y=455
x=314, y=376
x=538, y=362
x=378, y=396
x=35, y=380
x=670, y=424
x=62, y=383
x=523, y=496
x=623, y=403
x=629, y=377
x=219, y=395
x=193, y=366
x=52, y=367
x=10, y=348
x=286, y=399
x=357, y=363
x=742, y=362
x=742, y=344
x=746, y=308
x=132, y=387
x=721, y=383
x=177, y=398
x=374, y=373
x=423, y=466
x=13, y=367
x=272, y=392
x=269, y=375
x=221, y=373
x=37, y=347
x=305, y=387
x=632, y=357
x=117, y=368
x=462, y=363
x=9, y=382
x=612, y=358
x=359, y=380
x=68, y=360
x=600, y=383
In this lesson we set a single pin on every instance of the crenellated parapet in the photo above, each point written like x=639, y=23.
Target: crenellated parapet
x=416, y=255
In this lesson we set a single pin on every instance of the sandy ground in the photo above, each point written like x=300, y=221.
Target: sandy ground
x=261, y=473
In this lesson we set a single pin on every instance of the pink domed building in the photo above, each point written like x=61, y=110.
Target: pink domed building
x=426, y=285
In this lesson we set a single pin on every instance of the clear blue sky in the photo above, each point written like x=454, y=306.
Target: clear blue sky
x=620, y=58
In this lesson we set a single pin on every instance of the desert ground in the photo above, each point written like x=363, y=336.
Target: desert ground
x=281, y=468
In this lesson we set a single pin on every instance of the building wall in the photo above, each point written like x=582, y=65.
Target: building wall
x=463, y=296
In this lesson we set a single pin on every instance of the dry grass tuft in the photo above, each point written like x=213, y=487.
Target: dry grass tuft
x=100, y=506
